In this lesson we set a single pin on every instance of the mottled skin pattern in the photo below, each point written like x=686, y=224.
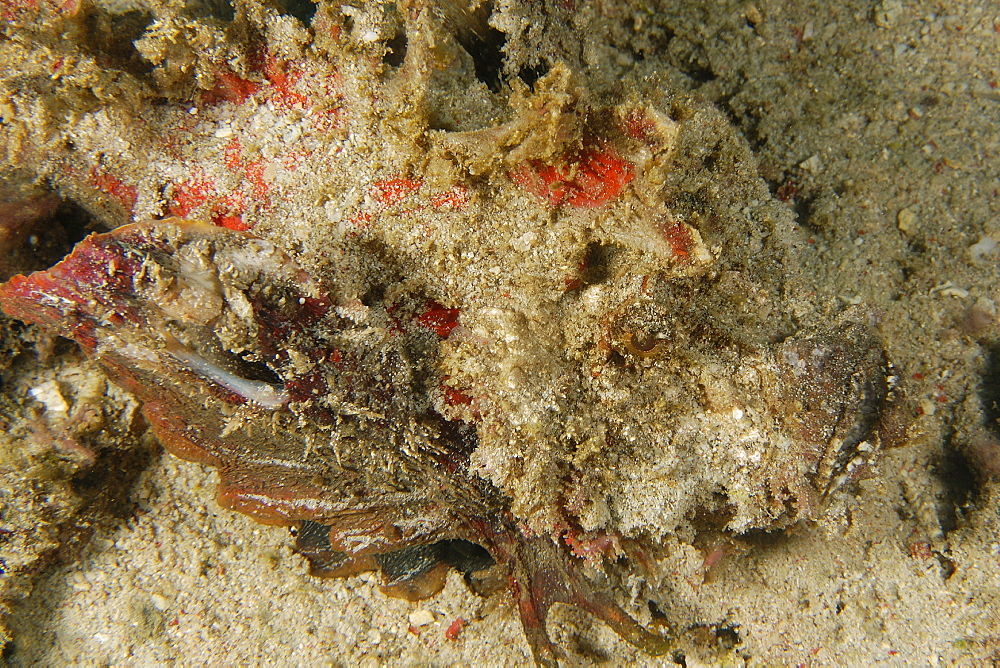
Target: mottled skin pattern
x=354, y=445
x=318, y=414
x=539, y=345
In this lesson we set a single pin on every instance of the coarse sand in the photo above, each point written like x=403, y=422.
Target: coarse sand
x=877, y=125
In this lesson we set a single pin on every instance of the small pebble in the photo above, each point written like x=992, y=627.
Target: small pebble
x=906, y=221
x=984, y=249
x=887, y=13
x=812, y=164
x=421, y=617
x=79, y=583
x=955, y=291
x=49, y=395
x=927, y=407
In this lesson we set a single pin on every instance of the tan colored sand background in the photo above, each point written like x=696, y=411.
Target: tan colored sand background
x=885, y=117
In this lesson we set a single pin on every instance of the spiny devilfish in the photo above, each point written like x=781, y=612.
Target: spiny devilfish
x=326, y=425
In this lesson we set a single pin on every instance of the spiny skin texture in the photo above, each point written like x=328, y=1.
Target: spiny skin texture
x=563, y=323
x=138, y=297
x=170, y=307
x=246, y=363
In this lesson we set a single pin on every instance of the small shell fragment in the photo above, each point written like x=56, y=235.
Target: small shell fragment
x=421, y=617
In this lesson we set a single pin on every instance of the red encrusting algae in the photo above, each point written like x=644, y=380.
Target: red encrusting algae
x=189, y=195
x=678, y=235
x=229, y=87
x=587, y=180
x=110, y=184
x=394, y=191
x=454, y=629
x=439, y=319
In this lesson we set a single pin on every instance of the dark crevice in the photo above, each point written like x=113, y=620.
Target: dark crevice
x=221, y=10
x=655, y=612
x=597, y=262
x=110, y=38
x=464, y=556
x=481, y=41
x=707, y=518
x=711, y=161
x=41, y=231
x=303, y=10
x=487, y=56
x=957, y=476
x=75, y=222
x=529, y=74
x=374, y=295
x=989, y=389
x=616, y=359
x=484, y=44
x=727, y=636
x=804, y=207
x=699, y=73
x=395, y=50
x=459, y=439
x=765, y=538
x=948, y=567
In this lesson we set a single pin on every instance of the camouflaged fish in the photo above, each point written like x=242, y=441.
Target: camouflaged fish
x=320, y=415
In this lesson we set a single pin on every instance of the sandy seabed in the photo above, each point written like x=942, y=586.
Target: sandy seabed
x=876, y=125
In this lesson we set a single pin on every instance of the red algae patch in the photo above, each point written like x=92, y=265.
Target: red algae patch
x=589, y=179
